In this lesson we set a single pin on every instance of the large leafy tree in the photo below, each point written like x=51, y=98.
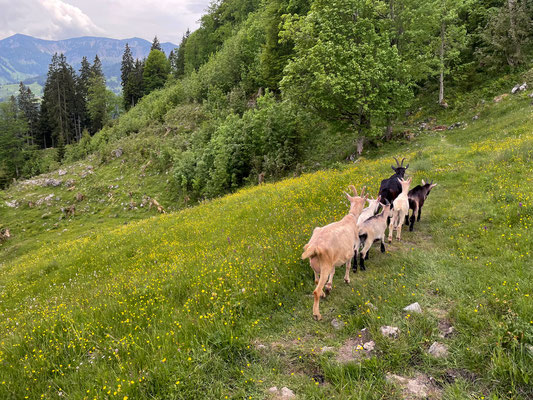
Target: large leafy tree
x=156, y=71
x=345, y=67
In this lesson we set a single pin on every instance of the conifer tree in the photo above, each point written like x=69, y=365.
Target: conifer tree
x=28, y=105
x=156, y=45
x=134, y=89
x=96, y=69
x=127, y=68
x=177, y=57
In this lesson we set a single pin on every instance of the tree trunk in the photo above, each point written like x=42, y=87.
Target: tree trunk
x=441, y=56
x=388, y=129
x=360, y=144
x=516, y=56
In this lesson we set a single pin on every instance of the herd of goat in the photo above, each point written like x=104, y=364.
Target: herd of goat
x=336, y=244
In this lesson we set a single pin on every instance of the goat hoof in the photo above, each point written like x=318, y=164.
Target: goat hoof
x=354, y=270
x=327, y=290
x=317, y=317
x=411, y=229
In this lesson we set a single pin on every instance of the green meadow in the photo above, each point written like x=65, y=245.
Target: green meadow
x=213, y=301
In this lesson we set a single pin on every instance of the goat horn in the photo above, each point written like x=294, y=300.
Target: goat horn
x=397, y=163
x=401, y=165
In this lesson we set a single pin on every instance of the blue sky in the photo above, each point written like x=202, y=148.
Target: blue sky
x=119, y=19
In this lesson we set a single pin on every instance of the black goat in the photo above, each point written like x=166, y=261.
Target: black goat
x=417, y=196
x=391, y=188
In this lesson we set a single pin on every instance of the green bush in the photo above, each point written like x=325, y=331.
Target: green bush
x=266, y=140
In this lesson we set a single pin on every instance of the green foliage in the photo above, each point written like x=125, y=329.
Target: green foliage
x=97, y=102
x=156, y=70
x=508, y=37
x=179, y=304
x=344, y=67
x=265, y=140
x=12, y=134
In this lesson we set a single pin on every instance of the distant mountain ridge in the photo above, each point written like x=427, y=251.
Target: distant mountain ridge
x=26, y=58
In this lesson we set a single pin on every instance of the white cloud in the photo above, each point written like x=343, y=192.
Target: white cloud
x=168, y=19
x=120, y=19
x=47, y=19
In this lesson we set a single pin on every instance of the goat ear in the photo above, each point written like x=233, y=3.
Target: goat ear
x=432, y=185
x=394, y=169
x=423, y=182
x=407, y=166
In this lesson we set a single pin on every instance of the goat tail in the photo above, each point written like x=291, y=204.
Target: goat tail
x=309, y=251
x=312, y=251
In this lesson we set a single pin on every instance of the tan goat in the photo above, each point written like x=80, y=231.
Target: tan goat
x=400, y=210
x=332, y=246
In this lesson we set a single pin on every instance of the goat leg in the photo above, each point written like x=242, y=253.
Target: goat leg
x=361, y=262
x=347, y=273
x=412, y=226
x=419, y=212
x=317, y=293
x=354, y=263
x=382, y=246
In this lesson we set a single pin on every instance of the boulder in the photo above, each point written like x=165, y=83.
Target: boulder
x=117, y=153
x=287, y=393
x=52, y=182
x=390, y=331
x=438, y=350
x=415, y=307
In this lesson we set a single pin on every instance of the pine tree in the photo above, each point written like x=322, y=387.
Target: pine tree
x=177, y=57
x=59, y=103
x=156, y=45
x=127, y=66
x=28, y=105
x=134, y=89
x=97, y=103
x=96, y=69
x=82, y=91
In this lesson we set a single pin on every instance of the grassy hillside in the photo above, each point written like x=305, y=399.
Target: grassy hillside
x=214, y=302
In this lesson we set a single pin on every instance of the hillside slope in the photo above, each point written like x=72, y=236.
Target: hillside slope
x=213, y=301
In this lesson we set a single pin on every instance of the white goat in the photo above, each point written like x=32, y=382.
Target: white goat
x=371, y=230
x=370, y=211
x=400, y=210
x=332, y=246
